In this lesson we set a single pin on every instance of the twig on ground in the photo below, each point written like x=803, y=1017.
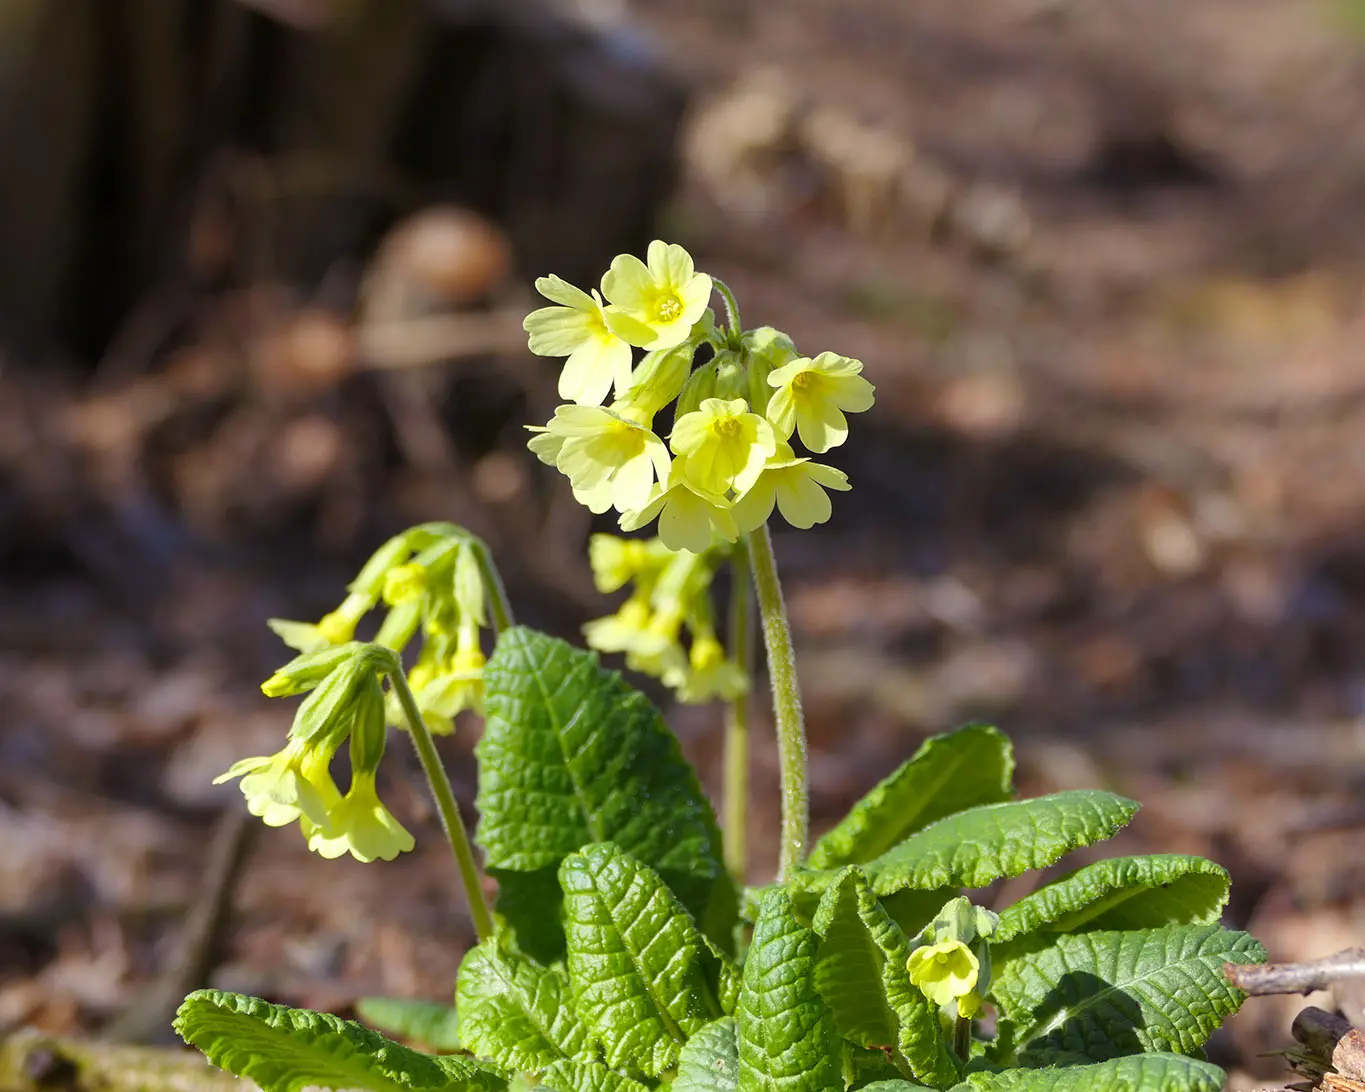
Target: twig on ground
x=1330, y=1036
x=1318, y=974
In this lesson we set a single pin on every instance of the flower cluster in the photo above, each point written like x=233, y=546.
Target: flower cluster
x=951, y=961
x=670, y=593
x=431, y=582
x=295, y=784
x=728, y=460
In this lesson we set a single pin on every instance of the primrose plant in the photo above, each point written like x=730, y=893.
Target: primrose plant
x=624, y=951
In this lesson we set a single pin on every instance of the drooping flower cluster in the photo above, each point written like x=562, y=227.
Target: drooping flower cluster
x=295, y=784
x=430, y=580
x=670, y=595
x=728, y=460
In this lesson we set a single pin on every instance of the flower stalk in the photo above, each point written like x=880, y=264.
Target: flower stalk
x=446, y=805
x=741, y=643
x=787, y=715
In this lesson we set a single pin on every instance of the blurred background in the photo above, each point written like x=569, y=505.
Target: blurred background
x=262, y=271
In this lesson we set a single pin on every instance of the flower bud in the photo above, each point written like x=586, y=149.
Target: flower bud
x=305, y=672
x=329, y=709
x=657, y=379
x=405, y=583
x=399, y=625
x=369, y=582
x=470, y=594
x=700, y=385
x=765, y=349
x=369, y=727
x=731, y=377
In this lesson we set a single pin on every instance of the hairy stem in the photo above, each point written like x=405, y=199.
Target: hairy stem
x=734, y=329
x=499, y=605
x=446, y=804
x=741, y=643
x=791, y=727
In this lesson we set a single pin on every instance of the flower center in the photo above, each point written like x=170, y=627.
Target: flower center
x=670, y=307
x=727, y=427
x=802, y=380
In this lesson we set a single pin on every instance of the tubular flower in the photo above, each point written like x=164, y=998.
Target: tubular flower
x=458, y=685
x=796, y=486
x=359, y=824
x=335, y=628
x=689, y=518
x=624, y=630
x=616, y=561
x=291, y=784
x=812, y=397
x=725, y=445
x=602, y=449
x=709, y=674
x=577, y=329
x=654, y=305
x=546, y=446
x=945, y=971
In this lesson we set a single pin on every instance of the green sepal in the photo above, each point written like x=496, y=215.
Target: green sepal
x=1122, y=893
x=1105, y=994
x=644, y=978
x=949, y=773
x=787, y=1041
x=287, y=1050
x=431, y=1023
x=516, y=1012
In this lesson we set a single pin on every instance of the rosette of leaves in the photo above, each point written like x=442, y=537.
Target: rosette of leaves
x=617, y=966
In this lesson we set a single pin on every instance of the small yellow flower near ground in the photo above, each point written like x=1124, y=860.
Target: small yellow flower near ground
x=725, y=445
x=689, y=518
x=654, y=305
x=944, y=971
x=601, y=448
x=360, y=824
x=577, y=329
x=812, y=397
x=292, y=783
x=795, y=486
x=709, y=674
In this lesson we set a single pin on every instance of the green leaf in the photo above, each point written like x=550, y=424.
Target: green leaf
x=1106, y=994
x=286, y=1050
x=514, y=1011
x=429, y=1022
x=1122, y=893
x=644, y=978
x=571, y=755
x=710, y=1060
x=893, y=1086
x=860, y=972
x=586, y=1075
x=1138, y=1073
x=972, y=848
x=949, y=773
x=533, y=906
x=787, y=1039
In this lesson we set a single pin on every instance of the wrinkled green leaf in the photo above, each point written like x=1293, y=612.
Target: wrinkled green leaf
x=893, y=1086
x=860, y=972
x=1138, y=1073
x=533, y=906
x=1122, y=893
x=581, y=1075
x=949, y=773
x=644, y=978
x=1106, y=994
x=710, y=1060
x=514, y=1011
x=571, y=755
x=429, y=1022
x=787, y=1039
x=286, y=1050
x=972, y=848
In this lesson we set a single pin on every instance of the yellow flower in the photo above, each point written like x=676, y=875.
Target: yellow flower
x=458, y=684
x=725, y=445
x=709, y=674
x=795, y=486
x=812, y=397
x=290, y=784
x=335, y=628
x=602, y=449
x=577, y=329
x=616, y=561
x=944, y=971
x=359, y=824
x=689, y=518
x=405, y=583
x=655, y=305
x=546, y=446
x=621, y=631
